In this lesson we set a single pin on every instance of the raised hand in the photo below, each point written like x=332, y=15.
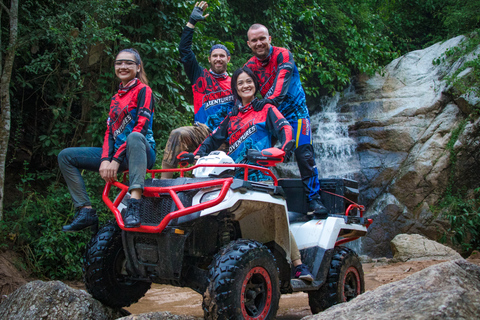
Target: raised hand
x=197, y=13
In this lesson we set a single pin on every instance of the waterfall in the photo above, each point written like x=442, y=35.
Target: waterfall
x=335, y=151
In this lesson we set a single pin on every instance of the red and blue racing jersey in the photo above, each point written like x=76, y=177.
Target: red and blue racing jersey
x=212, y=94
x=249, y=130
x=279, y=81
x=131, y=110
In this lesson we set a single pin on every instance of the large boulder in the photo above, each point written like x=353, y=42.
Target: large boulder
x=54, y=300
x=415, y=247
x=449, y=290
x=403, y=122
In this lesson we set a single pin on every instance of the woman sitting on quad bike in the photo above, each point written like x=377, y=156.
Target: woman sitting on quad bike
x=243, y=129
x=128, y=144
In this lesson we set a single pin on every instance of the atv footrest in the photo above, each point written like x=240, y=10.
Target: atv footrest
x=300, y=285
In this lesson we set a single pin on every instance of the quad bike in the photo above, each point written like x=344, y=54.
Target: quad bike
x=229, y=240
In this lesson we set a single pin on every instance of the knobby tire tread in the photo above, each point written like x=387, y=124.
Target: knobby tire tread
x=220, y=297
x=99, y=270
x=328, y=294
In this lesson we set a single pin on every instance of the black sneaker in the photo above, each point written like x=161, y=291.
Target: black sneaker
x=84, y=218
x=302, y=273
x=132, y=217
x=316, y=206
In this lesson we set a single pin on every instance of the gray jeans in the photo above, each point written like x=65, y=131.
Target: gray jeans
x=140, y=156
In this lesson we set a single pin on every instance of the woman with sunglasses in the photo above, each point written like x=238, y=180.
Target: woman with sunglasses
x=128, y=145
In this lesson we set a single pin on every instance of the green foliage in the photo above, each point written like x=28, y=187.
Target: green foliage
x=415, y=24
x=331, y=40
x=464, y=217
x=462, y=211
x=465, y=83
x=35, y=222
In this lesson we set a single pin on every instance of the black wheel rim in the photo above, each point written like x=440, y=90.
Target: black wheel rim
x=351, y=284
x=256, y=296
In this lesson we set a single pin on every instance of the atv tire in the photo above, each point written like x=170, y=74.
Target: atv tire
x=345, y=281
x=243, y=283
x=104, y=271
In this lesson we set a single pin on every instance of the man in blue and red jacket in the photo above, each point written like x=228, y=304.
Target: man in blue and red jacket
x=212, y=95
x=280, y=85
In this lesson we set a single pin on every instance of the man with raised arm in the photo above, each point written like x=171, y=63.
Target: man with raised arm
x=280, y=85
x=212, y=95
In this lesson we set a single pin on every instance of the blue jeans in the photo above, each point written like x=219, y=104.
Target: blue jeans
x=140, y=156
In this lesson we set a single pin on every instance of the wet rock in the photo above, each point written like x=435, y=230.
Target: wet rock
x=416, y=247
x=404, y=119
x=449, y=290
x=54, y=300
x=158, y=316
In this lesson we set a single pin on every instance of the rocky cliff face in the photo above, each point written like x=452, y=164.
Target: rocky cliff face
x=403, y=121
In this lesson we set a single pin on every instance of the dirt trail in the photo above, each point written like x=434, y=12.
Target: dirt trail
x=183, y=301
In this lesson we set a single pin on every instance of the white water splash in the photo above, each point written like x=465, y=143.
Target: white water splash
x=335, y=150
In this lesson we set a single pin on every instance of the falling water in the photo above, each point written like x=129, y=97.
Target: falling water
x=334, y=148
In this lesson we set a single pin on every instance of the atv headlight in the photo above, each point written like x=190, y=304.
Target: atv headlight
x=214, y=194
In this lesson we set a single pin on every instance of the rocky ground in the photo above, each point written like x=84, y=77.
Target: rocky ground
x=183, y=301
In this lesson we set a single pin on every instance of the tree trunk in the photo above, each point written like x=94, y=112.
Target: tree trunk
x=5, y=116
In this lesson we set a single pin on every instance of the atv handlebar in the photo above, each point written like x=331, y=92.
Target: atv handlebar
x=185, y=158
x=267, y=157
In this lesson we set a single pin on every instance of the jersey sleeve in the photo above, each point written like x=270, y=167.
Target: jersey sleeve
x=285, y=66
x=279, y=126
x=215, y=139
x=190, y=63
x=145, y=109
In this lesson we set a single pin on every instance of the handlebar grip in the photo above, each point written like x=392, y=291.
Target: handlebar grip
x=267, y=157
x=185, y=158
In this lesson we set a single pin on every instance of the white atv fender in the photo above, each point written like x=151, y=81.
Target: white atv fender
x=324, y=233
x=262, y=216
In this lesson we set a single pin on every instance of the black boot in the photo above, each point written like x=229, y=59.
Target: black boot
x=85, y=217
x=132, y=218
x=316, y=206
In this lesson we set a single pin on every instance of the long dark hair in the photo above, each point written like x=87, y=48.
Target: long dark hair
x=141, y=75
x=238, y=72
